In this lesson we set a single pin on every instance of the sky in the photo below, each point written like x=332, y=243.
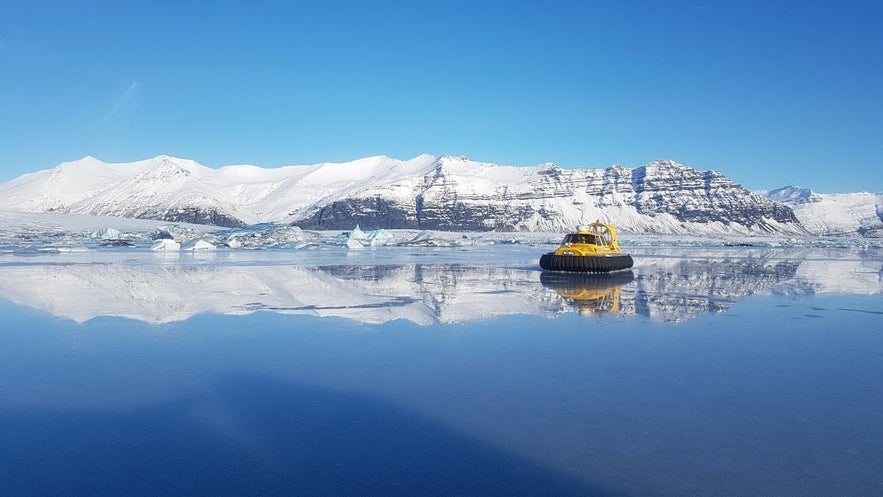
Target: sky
x=770, y=93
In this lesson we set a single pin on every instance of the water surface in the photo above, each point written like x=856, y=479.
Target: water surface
x=700, y=372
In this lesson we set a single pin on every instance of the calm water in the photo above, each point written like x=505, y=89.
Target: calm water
x=701, y=372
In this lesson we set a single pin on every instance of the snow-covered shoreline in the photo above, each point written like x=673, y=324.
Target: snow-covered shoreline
x=77, y=232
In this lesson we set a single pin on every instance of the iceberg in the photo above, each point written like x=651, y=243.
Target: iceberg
x=198, y=245
x=112, y=237
x=264, y=235
x=108, y=234
x=359, y=239
x=165, y=244
x=161, y=234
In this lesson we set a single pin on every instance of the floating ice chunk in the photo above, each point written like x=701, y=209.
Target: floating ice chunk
x=263, y=235
x=112, y=237
x=161, y=234
x=421, y=239
x=198, y=245
x=108, y=234
x=166, y=244
x=358, y=239
x=380, y=238
x=433, y=239
x=181, y=234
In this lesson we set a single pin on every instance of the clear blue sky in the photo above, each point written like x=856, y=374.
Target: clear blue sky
x=769, y=93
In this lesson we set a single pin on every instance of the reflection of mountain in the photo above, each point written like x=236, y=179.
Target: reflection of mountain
x=687, y=288
x=665, y=288
x=373, y=294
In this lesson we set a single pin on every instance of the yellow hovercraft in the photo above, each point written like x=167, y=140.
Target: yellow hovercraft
x=592, y=249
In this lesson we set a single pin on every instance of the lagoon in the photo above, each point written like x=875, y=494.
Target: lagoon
x=406, y=371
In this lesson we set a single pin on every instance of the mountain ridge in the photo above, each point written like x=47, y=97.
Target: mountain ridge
x=426, y=192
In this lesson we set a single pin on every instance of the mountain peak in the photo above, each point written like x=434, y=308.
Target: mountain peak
x=666, y=163
x=86, y=160
x=453, y=158
x=424, y=158
x=170, y=159
x=164, y=167
x=791, y=194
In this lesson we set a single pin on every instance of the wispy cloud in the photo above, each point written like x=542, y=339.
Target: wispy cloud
x=121, y=100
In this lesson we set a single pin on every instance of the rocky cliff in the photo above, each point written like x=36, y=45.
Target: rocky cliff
x=662, y=197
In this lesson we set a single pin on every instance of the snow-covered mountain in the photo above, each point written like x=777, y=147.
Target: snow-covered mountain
x=834, y=213
x=426, y=192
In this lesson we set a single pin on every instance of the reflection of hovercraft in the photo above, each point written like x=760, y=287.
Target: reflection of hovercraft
x=592, y=249
x=592, y=293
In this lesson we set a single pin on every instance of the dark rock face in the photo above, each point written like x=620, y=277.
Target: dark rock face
x=194, y=215
x=452, y=215
x=374, y=212
x=182, y=214
x=696, y=196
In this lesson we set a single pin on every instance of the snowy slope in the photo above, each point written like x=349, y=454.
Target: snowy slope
x=834, y=213
x=174, y=189
x=170, y=189
x=65, y=185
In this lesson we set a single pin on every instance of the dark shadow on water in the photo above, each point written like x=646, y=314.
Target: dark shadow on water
x=251, y=435
x=866, y=311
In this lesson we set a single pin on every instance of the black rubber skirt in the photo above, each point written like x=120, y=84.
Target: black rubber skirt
x=586, y=264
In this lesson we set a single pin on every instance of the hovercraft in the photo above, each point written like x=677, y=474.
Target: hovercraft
x=592, y=249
